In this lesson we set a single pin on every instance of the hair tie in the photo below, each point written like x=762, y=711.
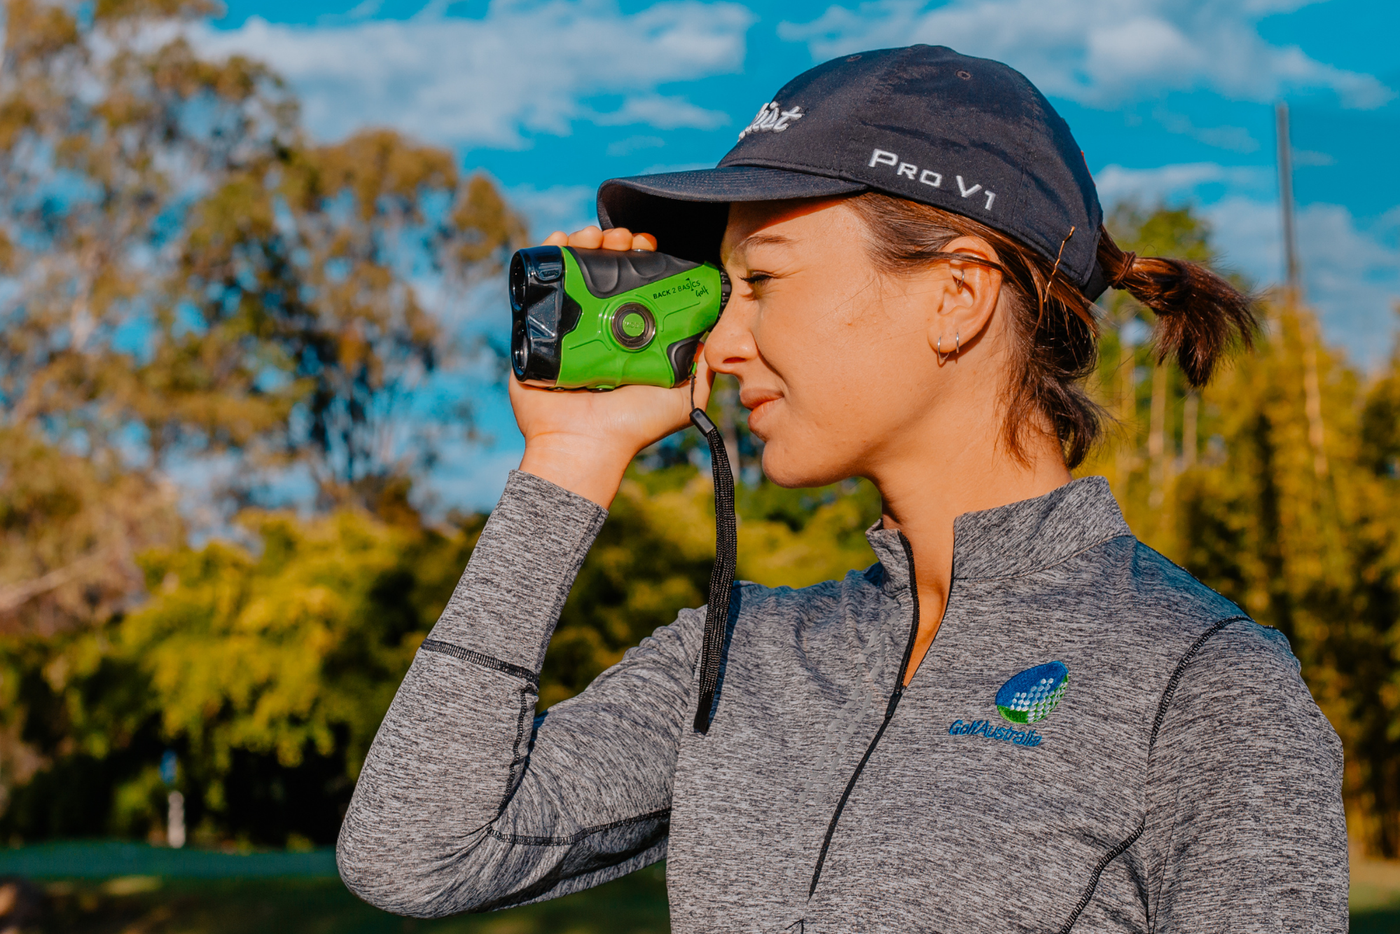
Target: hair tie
x=1128, y=259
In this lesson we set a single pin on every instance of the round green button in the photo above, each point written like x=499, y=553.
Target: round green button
x=633, y=325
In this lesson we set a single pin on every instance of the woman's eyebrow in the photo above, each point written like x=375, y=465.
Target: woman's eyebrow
x=759, y=239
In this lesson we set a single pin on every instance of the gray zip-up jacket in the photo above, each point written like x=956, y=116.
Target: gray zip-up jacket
x=1159, y=766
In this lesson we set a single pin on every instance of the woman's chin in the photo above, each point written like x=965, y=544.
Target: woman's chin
x=793, y=471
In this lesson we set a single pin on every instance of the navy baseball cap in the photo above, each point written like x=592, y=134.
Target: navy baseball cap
x=968, y=135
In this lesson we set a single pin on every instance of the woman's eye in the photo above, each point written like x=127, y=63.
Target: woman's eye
x=756, y=278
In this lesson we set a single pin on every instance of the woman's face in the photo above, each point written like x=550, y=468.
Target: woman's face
x=835, y=360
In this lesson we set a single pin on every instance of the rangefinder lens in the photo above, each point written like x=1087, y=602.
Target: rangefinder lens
x=633, y=325
x=517, y=282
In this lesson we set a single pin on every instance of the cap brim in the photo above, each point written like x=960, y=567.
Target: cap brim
x=687, y=211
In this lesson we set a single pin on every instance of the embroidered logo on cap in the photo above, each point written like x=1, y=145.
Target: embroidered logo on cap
x=772, y=117
x=1032, y=695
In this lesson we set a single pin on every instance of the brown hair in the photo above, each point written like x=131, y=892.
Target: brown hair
x=1053, y=328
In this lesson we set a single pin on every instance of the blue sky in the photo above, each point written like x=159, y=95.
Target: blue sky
x=1170, y=99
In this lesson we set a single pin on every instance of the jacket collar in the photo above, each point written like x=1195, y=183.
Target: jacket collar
x=1019, y=538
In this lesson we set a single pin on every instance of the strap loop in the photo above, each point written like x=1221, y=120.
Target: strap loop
x=717, y=610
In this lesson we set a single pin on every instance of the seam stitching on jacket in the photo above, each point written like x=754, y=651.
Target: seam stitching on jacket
x=527, y=840
x=1053, y=564
x=477, y=658
x=1102, y=864
x=1175, y=679
x=1167, y=695
x=516, y=760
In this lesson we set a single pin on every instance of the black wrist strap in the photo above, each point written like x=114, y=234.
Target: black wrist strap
x=722, y=576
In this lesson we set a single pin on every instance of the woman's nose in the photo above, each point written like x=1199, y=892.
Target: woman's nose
x=731, y=344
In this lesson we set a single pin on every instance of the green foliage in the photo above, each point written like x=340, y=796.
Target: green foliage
x=268, y=671
x=1306, y=537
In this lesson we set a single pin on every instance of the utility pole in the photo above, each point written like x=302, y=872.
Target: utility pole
x=1285, y=191
x=1312, y=389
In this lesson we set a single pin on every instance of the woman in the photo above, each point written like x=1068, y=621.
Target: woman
x=1019, y=719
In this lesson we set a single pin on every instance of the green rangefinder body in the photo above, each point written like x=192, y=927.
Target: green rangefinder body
x=597, y=319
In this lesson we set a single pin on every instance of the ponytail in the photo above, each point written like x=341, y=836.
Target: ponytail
x=1199, y=314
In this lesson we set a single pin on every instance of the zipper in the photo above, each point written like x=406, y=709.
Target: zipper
x=889, y=715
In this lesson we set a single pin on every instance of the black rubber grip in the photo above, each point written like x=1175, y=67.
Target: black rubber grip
x=611, y=272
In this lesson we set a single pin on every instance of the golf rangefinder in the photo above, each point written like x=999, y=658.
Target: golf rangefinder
x=596, y=319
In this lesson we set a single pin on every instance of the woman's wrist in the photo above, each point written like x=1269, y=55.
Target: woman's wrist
x=578, y=465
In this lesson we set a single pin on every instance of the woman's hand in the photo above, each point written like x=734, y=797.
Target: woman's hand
x=583, y=441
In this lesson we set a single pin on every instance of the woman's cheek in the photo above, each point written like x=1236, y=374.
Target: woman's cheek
x=808, y=445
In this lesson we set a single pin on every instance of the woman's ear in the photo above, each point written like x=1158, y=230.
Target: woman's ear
x=967, y=291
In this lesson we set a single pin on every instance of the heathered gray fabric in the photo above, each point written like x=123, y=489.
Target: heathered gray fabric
x=1185, y=783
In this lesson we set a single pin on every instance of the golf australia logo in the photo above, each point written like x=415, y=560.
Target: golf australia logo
x=1032, y=695
x=773, y=118
x=1026, y=698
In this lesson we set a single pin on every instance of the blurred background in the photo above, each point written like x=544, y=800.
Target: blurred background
x=252, y=412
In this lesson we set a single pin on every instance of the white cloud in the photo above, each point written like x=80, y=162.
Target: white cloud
x=664, y=113
x=1101, y=52
x=1116, y=183
x=558, y=207
x=1233, y=138
x=525, y=66
x=1353, y=276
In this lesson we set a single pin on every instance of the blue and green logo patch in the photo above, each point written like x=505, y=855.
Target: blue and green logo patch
x=1032, y=695
x=1028, y=697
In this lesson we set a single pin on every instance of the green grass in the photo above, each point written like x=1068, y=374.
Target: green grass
x=635, y=904
x=123, y=888
x=1375, y=897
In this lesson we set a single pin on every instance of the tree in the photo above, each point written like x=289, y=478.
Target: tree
x=267, y=672
x=190, y=276
x=191, y=285
x=70, y=529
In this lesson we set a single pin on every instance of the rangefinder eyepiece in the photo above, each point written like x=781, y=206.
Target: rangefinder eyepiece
x=597, y=319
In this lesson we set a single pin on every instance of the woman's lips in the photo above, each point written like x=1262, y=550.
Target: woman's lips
x=758, y=403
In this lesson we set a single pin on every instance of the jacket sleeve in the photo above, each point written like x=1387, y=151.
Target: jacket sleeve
x=1245, y=811
x=469, y=802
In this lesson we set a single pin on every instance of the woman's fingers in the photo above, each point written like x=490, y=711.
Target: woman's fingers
x=589, y=238
x=619, y=238
x=592, y=238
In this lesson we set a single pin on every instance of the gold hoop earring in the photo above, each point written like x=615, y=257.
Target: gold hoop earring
x=957, y=352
